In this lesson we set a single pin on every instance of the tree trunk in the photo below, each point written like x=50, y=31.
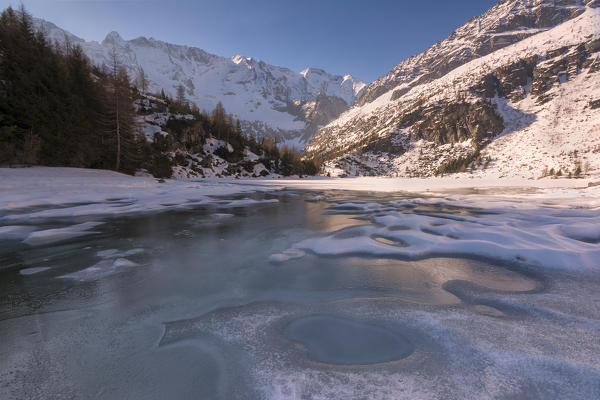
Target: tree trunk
x=118, y=163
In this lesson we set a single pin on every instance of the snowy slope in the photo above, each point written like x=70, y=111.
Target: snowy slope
x=506, y=23
x=529, y=107
x=272, y=100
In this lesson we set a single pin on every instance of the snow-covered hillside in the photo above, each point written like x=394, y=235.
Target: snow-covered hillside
x=506, y=23
x=270, y=100
x=528, y=109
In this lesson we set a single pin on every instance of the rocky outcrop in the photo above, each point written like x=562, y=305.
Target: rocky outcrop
x=458, y=122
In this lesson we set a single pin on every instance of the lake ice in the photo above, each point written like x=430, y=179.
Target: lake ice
x=303, y=294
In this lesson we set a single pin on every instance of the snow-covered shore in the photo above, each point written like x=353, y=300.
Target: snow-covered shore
x=63, y=192
x=421, y=185
x=68, y=192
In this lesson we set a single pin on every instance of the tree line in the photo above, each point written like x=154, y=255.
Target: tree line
x=56, y=108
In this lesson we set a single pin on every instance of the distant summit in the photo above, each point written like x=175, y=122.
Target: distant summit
x=112, y=38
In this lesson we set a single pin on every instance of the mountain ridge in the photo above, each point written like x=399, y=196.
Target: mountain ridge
x=269, y=100
x=455, y=123
x=479, y=36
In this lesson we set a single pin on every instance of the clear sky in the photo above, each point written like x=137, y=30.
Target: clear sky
x=365, y=38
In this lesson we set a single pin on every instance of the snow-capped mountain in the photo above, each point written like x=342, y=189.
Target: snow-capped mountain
x=513, y=92
x=270, y=100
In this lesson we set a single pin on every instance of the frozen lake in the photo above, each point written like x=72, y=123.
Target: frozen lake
x=302, y=295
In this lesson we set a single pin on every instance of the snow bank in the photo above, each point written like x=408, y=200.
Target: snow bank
x=568, y=192
x=42, y=192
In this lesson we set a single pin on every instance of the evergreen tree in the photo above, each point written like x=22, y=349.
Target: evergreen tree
x=180, y=95
x=142, y=80
x=121, y=118
x=219, y=121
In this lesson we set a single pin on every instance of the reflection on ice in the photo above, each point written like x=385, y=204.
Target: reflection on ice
x=423, y=281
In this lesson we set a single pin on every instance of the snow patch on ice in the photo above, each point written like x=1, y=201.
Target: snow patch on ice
x=59, y=234
x=113, y=253
x=34, y=270
x=221, y=216
x=101, y=270
x=546, y=238
x=286, y=255
x=15, y=232
x=246, y=202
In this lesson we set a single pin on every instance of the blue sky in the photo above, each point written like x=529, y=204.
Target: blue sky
x=364, y=38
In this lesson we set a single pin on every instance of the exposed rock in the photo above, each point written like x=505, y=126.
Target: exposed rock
x=458, y=122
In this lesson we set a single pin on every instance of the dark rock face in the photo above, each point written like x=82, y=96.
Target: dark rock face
x=562, y=65
x=326, y=109
x=507, y=81
x=384, y=145
x=457, y=122
x=316, y=114
x=506, y=23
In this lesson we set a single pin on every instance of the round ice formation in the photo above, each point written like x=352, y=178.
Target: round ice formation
x=335, y=340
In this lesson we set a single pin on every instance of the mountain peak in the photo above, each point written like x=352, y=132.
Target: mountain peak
x=112, y=38
x=238, y=59
x=312, y=71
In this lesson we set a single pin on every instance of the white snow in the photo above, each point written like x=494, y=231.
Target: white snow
x=60, y=234
x=286, y=255
x=101, y=269
x=32, y=271
x=530, y=235
x=545, y=223
x=547, y=186
x=70, y=192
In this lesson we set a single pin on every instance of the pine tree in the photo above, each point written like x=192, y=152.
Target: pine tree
x=181, y=95
x=219, y=122
x=142, y=80
x=121, y=117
